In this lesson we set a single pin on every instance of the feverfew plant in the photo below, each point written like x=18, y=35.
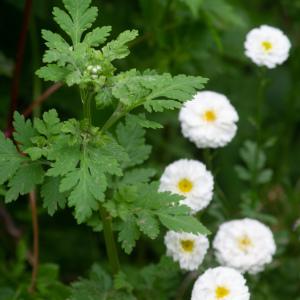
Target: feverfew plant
x=97, y=170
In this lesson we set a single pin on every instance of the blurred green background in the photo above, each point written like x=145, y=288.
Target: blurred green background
x=196, y=37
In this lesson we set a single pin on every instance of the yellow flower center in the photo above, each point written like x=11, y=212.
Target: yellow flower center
x=187, y=245
x=221, y=292
x=244, y=242
x=185, y=185
x=209, y=116
x=267, y=46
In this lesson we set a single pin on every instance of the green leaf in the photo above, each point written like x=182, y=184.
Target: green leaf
x=121, y=282
x=10, y=159
x=182, y=223
x=65, y=159
x=24, y=131
x=143, y=122
x=34, y=152
x=134, y=176
x=90, y=185
x=24, y=180
x=93, y=289
x=118, y=48
x=128, y=235
x=97, y=36
x=79, y=19
x=141, y=207
x=243, y=173
x=265, y=176
x=49, y=125
x=52, y=72
x=51, y=195
x=156, y=92
x=58, y=48
x=131, y=136
x=148, y=224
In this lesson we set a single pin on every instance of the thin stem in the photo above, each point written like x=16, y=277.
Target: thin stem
x=117, y=114
x=208, y=158
x=110, y=244
x=18, y=66
x=190, y=277
x=40, y=99
x=260, y=101
x=9, y=224
x=35, y=227
x=86, y=97
x=37, y=83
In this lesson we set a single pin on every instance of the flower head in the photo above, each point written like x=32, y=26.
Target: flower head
x=186, y=248
x=267, y=46
x=246, y=245
x=191, y=179
x=220, y=283
x=208, y=120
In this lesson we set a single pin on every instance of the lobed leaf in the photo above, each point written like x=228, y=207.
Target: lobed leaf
x=80, y=18
x=131, y=136
x=118, y=48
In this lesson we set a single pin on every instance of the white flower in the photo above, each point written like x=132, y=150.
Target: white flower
x=191, y=179
x=208, y=120
x=220, y=283
x=246, y=245
x=186, y=248
x=267, y=46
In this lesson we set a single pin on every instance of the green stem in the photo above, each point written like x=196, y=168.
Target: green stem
x=86, y=102
x=259, y=103
x=110, y=244
x=117, y=114
x=111, y=247
x=208, y=158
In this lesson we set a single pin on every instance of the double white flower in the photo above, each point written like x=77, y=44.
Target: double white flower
x=186, y=248
x=220, y=284
x=246, y=245
x=191, y=179
x=267, y=46
x=208, y=120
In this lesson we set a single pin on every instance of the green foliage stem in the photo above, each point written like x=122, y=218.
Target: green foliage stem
x=111, y=247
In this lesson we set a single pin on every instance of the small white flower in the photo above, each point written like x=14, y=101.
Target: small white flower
x=246, y=245
x=186, y=248
x=267, y=46
x=208, y=120
x=94, y=70
x=220, y=283
x=191, y=179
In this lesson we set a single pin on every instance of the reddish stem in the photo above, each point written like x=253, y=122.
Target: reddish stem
x=18, y=66
x=40, y=99
x=9, y=224
x=35, y=227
